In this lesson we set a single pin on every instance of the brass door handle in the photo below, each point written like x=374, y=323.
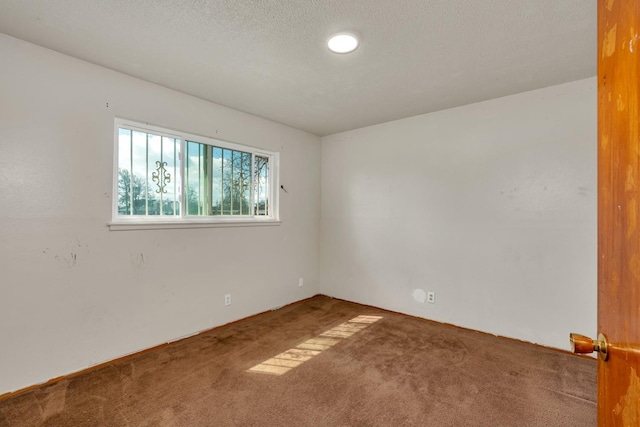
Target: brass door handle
x=585, y=345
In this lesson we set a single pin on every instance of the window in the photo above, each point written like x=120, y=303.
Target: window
x=166, y=178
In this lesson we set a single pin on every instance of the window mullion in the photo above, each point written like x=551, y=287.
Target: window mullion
x=252, y=203
x=201, y=203
x=222, y=182
x=175, y=183
x=161, y=178
x=183, y=179
x=267, y=188
x=231, y=183
x=131, y=172
x=146, y=177
x=208, y=183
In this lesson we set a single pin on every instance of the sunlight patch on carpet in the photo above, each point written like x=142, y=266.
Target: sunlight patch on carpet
x=294, y=357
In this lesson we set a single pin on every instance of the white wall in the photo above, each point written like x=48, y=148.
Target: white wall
x=490, y=205
x=73, y=293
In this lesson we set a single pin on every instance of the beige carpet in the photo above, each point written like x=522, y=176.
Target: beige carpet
x=325, y=362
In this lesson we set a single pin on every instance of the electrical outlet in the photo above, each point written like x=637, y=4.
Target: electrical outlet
x=227, y=299
x=431, y=297
x=301, y=282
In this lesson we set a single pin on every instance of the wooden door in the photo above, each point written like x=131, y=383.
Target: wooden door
x=618, y=211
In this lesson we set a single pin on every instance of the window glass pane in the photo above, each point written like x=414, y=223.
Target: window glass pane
x=195, y=176
x=139, y=184
x=155, y=174
x=261, y=186
x=240, y=182
x=124, y=172
x=170, y=199
x=145, y=178
x=217, y=181
x=232, y=182
x=227, y=188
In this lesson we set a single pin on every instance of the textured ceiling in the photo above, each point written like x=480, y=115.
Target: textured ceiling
x=269, y=57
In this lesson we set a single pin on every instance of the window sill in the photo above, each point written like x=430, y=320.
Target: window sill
x=161, y=225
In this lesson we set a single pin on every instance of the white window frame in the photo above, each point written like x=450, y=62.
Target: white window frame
x=141, y=222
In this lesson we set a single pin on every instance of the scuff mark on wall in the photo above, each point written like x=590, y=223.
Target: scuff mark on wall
x=68, y=255
x=68, y=261
x=419, y=295
x=137, y=260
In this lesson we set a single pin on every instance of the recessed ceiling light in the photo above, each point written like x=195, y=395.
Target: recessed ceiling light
x=342, y=43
